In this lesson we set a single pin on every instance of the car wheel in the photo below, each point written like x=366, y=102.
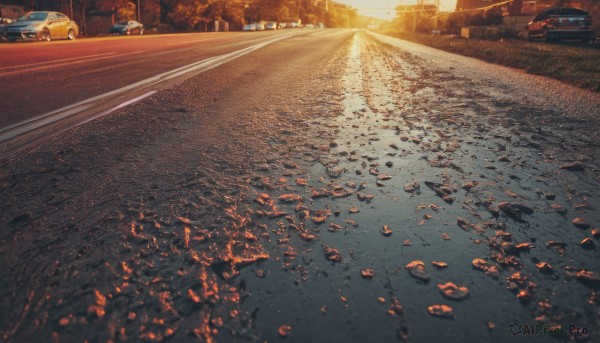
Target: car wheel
x=128, y=32
x=141, y=31
x=45, y=35
x=71, y=34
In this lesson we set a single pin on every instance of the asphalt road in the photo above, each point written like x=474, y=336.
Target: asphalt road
x=38, y=78
x=331, y=186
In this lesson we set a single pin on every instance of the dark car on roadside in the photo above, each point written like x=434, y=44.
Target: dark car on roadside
x=561, y=23
x=127, y=28
x=41, y=26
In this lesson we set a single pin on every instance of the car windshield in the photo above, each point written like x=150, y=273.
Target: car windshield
x=123, y=23
x=34, y=16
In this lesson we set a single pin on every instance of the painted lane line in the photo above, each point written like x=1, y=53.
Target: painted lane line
x=8, y=150
x=196, y=41
x=21, y=71
x=118, y=107
x=44, y=120
x=20, y=128
x=54, y=61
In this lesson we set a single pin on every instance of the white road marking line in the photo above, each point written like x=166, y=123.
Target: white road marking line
x=195, y=41
x=54, y=61
x=49, y=66
x=126, y=103
x=33, y=124
x=19, y=128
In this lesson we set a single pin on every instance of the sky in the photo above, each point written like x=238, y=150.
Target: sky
x=385, y=8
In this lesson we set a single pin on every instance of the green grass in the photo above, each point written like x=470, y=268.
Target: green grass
x=568, y=62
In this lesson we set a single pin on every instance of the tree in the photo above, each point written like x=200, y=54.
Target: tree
x=126, y=10
x=283, y=13
x=270, y=9
x=150, y=13
x=187, y=14
x=122, y=9
x=233, y=12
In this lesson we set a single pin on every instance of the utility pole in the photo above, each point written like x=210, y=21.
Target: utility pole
x=71, y=9
x=139, y=18
x=437, y=14
x=83, y=28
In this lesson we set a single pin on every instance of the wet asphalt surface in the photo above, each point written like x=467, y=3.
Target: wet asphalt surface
x=327, y=188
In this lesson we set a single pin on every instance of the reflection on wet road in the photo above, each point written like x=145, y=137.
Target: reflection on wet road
x=384, y=199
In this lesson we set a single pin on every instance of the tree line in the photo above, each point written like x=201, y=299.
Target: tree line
x=194, y=15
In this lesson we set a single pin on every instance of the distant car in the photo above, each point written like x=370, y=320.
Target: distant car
x=271, y=25
x=561, y=23
x=282, y=25
x=249, y=27
x=127, y=28
x=42, y=26
x=260, y=27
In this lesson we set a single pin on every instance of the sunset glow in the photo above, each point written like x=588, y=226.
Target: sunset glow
x=385, y=9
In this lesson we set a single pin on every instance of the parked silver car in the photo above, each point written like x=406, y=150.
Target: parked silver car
x=249, y=27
